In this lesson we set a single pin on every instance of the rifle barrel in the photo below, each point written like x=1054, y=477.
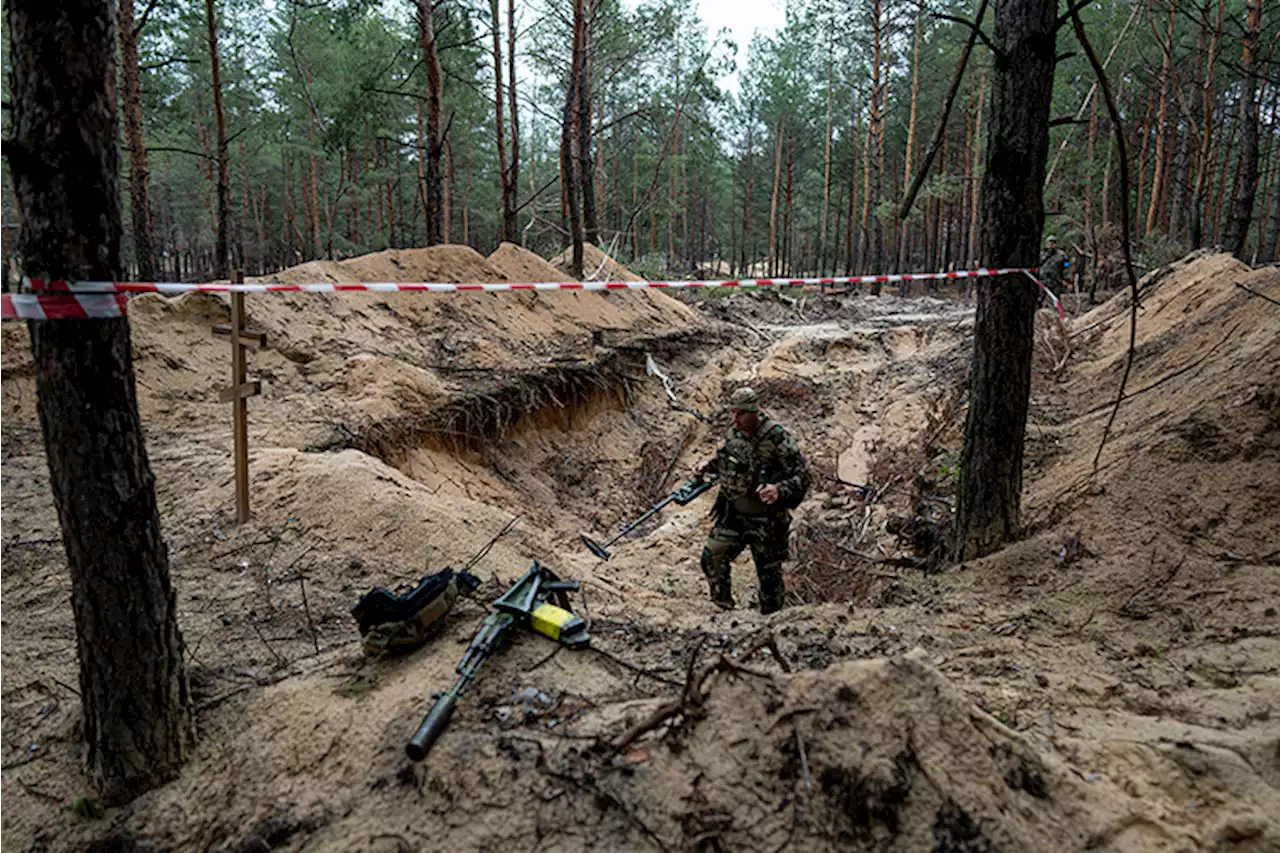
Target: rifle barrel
x=432, y=726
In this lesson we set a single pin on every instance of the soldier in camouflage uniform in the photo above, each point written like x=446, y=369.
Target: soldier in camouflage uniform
x=763, y=476
x=1053, y=267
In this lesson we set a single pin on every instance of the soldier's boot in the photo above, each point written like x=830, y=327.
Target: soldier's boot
x=716, y=561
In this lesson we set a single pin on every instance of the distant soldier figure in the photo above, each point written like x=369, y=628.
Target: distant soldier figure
x=763, y=476
x=1053, y=266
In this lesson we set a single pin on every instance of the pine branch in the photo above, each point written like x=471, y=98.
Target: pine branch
x=1072, y=11
x=173, y=60
x=142, y=19
x=975, y=28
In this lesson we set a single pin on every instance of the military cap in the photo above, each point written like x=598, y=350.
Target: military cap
x=744, y=400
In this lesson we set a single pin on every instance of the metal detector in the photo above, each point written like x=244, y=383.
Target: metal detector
x=681, y=496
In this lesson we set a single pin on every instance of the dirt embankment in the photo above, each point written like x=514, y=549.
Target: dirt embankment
x=1109, y=683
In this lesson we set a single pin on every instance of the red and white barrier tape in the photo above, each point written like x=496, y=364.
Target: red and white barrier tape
x=61, y=297
x=63, y=306
x=493, y=287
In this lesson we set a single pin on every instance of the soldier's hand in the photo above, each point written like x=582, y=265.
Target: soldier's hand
x=768, y=494
x=703, y=467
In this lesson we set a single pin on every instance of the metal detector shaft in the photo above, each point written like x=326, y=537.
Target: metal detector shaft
x=682, y=496
x=642, y=519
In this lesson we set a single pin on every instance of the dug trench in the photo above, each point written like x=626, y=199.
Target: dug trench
x=1109, y=682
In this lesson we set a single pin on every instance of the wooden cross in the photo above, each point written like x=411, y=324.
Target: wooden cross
x=240, y=392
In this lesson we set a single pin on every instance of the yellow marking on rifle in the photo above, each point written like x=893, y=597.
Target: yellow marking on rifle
x=550, y=620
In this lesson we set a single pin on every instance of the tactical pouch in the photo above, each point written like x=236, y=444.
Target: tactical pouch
x=407, y=618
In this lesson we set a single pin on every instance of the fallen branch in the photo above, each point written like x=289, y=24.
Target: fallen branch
x=1181, y=370
x=483, y=552
x=694, y=694
x=274, y=653
x=306, y=609
x=1250, y=290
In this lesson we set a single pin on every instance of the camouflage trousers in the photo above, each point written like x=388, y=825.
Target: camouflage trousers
x=766, y=536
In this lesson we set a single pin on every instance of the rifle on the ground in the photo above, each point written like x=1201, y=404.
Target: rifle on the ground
x=538, y=600
x=681, y=496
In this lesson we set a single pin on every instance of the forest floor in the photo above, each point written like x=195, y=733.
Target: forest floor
x=1110, y=682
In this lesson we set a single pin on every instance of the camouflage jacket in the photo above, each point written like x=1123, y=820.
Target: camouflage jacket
x=1053, y=269
x=769, y=457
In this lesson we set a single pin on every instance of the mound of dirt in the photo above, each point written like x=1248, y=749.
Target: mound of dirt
x=596, y=265
x=519, y=264
x=323, y=347
x=879, y=755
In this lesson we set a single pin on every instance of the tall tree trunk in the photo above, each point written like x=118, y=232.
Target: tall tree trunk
x=582, y=129
x=1180, y=199
x=909, y=158
x=421, y=190
x=570, y=179
x=221, y=268
x=974, y=207
x=1272, y=250
x=435, y=145
x=1144, y=135
x=1090, y=221
x=875, y=153
x=673, y=184
x=1204, y=166
x=773, y=199
x=1159, y=179
x=826, y=170
x=506, y=189
x=450, y=187
x=1247, y=184
x=746, y=202
x=135, y=705
x=515, y=117
x=988, y=512
x=313, y=195
x=1217, y=190
x=144, y=237
x=466, y=195
x=246, y=205
x=855, y=133
x=786, y=217
x=635, y=199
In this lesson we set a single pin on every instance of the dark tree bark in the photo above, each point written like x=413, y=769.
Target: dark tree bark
x=988, y=511
x=506, y=183
x=221, y=267
x=1272, y=250
x=586, y=158
x=746, y=200
x=515, y=117
x=65, y=168
x=1246, y=187
x=435, y=145
x=571, y=177
x=144, y=238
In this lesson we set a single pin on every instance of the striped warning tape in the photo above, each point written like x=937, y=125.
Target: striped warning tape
x=56, y=299
x=38, y=284
x=67, y=306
